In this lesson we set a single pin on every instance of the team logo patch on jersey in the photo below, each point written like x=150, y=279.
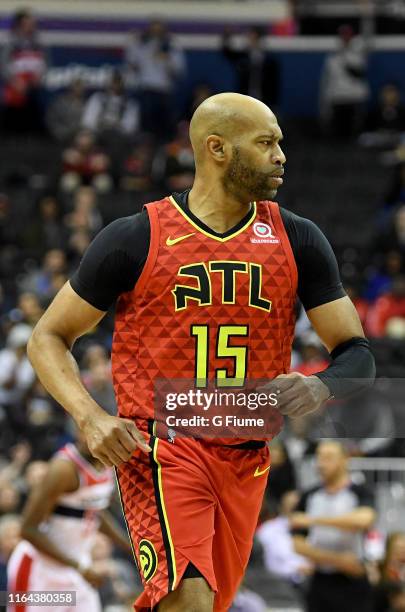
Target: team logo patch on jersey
x=263, y=234
x=148, y=559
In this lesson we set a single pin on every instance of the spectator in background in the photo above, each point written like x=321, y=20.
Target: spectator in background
x=381, y=280
x=46, y=230
x=111, y=113
x=122, y=583
x=393, y=565
x=200, y=92
x=396, y=190
x=248, y=601
x=8, y=231
x=30, y=308
x=275, y=538
x=387, y=315
x=157, y=64
x=64, y=114
x=20, y=455
x=392, y=571
x=312, y=354
x=9, y=498
x=344, y=88
x=24, y=65
x=393, y=237
x=10, y=535
x=289, y=25
x=360, y=303
x=44, y=421
x=85, y=164
x=43, y=281
x=16, y=373
x=136, y=173
x=85, y=215
x=97, y=377
x=79, y=241
x=336, y=514
x=396, y=597
x=283, y=477
x=174, y=165
x=257, y=72
x=389, y=116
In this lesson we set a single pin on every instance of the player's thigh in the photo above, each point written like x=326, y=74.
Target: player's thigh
x=236, y=518
x=170, y=512
x=192, y=595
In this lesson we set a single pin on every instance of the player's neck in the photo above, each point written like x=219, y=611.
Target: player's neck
x=217, y=209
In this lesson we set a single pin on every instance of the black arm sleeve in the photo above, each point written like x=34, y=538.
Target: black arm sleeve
x=352, y=368
x=114, y=261
x=318, y=273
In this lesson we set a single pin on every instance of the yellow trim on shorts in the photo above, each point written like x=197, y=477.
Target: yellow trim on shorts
x=162, y=501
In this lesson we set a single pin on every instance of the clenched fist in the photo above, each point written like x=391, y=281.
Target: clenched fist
x=298, y=395
x=112, y=440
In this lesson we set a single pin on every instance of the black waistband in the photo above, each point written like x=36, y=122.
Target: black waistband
x=251, y=445
x=66, y=511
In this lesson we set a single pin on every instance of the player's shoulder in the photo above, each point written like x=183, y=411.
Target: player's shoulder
x=127, y=223
x=126, y=229
x=292, y=219
x=301, y=231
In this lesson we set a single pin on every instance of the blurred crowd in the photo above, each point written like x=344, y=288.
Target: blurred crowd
x=128, y=143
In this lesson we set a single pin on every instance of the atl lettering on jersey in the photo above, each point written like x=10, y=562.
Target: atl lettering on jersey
x=205, y=307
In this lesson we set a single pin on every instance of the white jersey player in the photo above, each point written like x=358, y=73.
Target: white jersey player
x=60, y=520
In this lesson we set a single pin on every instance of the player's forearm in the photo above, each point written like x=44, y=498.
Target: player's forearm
x=358, y=520
x=45, y=546
x=58, y=372
x=352, y=368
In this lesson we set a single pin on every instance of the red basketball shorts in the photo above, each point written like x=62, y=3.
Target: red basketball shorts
x=190, y=501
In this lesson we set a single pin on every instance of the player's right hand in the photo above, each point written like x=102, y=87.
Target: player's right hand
x=112, y=440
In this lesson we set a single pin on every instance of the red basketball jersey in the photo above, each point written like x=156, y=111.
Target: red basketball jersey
x=205, y=307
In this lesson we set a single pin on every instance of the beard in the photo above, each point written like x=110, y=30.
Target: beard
x=244, y=181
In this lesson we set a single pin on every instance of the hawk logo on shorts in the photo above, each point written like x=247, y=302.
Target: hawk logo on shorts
x=148, y=559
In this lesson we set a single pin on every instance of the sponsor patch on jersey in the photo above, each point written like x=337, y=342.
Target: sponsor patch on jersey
x=263, y=234
x=148, y=559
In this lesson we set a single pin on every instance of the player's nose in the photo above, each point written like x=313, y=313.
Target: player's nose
x=278, y=156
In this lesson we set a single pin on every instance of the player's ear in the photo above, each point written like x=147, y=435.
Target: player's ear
x=216, y=147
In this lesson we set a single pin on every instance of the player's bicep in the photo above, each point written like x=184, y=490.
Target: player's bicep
x=336, y=322
x=60, y=478
x=69, y=316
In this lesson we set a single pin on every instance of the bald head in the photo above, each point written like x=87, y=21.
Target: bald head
x=227, y=115
x=235, y=139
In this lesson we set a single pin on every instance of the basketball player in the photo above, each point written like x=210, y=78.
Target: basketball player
x=60, y=519
x=197, y=275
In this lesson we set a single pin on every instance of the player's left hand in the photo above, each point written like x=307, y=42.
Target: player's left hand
x=299, y=395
